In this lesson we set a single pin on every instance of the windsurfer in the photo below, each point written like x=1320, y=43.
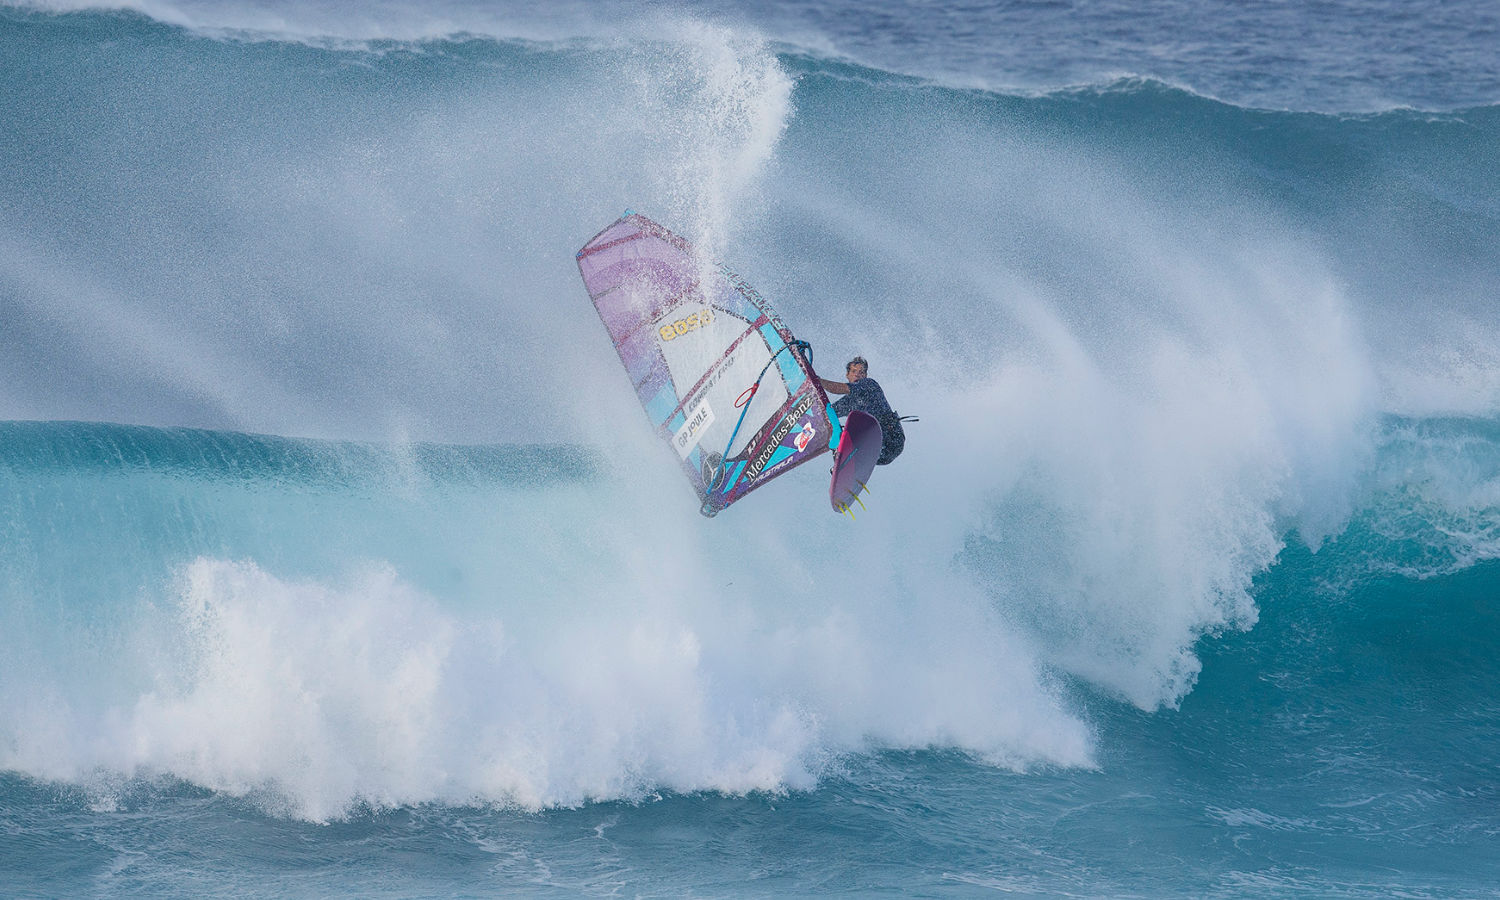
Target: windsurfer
x=864, y=393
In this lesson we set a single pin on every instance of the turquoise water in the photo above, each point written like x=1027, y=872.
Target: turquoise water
x=1344, y=745
x=336, y=558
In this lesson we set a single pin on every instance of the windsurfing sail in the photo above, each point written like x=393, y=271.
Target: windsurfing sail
x=714, y=367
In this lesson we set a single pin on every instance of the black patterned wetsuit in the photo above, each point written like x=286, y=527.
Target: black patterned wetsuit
x=866, y=396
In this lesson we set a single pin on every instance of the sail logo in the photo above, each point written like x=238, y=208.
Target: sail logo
x=691, y=432
x=691, y=322
x=805, y=437
x=777, y=436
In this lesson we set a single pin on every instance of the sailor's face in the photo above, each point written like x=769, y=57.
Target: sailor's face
x=854, y=373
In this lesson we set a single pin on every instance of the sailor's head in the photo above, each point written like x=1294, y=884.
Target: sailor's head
x=856, y=369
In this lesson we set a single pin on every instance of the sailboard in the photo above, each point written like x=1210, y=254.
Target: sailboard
x=716, y=369
x=853, y=461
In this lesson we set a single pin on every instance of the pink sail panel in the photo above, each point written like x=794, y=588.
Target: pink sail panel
x=710, y=361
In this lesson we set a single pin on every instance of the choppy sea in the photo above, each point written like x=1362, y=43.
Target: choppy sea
x=337, y=558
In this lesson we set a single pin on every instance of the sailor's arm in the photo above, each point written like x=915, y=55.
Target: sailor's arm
x=832, y=387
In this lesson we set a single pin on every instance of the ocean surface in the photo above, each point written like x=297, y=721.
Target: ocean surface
x=337, y=558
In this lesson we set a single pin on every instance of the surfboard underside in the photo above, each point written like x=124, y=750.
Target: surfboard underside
x=854, y=460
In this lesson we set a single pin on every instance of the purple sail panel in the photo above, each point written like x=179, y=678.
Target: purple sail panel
x=710, y=361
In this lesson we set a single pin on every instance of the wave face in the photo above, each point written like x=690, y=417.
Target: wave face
x=331, y=623
x=1203, y=500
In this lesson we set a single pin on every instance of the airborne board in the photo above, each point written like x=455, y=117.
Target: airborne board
x=854, y=460
x=696, y=340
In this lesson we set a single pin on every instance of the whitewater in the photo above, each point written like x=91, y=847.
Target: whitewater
x=336, y=556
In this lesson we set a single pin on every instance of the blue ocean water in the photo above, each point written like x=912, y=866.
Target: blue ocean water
x=336, y=557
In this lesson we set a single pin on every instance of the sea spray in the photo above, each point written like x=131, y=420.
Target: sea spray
x=1183, y=587
x=317, y=642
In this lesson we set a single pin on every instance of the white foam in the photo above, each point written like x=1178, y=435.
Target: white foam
x=314, y=696
x=1117, y=452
